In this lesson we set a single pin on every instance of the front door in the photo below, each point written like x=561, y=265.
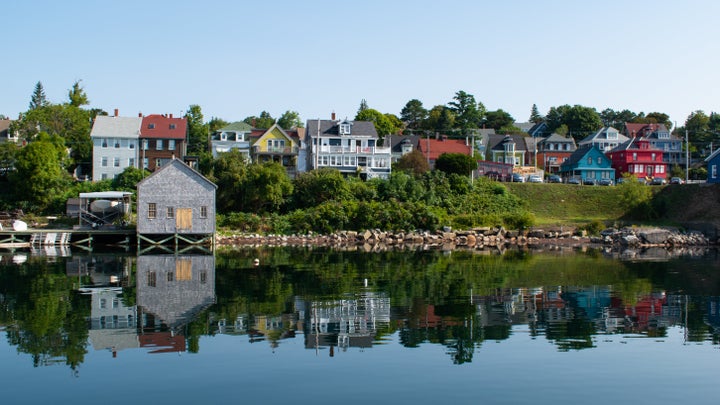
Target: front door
x=183, y=219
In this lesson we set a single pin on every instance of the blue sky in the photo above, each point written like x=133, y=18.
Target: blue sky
x=238, y=58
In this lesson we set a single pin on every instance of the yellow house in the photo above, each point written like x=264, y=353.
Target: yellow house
x=277, y=145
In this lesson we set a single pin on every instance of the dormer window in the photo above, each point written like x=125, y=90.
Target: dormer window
x=172, y=126
x=344, y=128
x=151, y=126
x=663, y=135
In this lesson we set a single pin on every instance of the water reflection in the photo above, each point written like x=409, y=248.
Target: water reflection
x=56, y=310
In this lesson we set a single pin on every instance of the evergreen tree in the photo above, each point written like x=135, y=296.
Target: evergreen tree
x=535, y=116
x=77, y=96
x=38, y=98
x=363, y=106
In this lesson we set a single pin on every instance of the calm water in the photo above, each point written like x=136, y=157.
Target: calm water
x=317, y=326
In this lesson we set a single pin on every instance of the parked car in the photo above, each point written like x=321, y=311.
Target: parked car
x=517, y=178
x=534, y=178
x=587, y=181
x=554, y=178
x=657, y=181
x=573, y=180
x=605, y=182
x=677, y=180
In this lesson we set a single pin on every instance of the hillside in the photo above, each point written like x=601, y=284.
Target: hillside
x=562, y=204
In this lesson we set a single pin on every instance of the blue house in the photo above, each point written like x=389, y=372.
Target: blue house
x=588, y=162
x=713, y=162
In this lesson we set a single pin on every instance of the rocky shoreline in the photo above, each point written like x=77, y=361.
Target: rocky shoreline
x=480, y=238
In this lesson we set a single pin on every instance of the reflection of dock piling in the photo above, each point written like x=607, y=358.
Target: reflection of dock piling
x=82, y=238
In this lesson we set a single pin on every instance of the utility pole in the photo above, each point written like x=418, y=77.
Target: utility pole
x=687, y=158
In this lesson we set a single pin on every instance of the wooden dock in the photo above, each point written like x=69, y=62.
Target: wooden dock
x=83, y=238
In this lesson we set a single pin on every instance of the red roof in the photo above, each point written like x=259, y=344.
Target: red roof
x=158, y=126
x=633, y=129
x=439, y=146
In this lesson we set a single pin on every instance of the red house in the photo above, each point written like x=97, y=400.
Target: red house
x=639, y=158
x=162, y=138
x=433, y=148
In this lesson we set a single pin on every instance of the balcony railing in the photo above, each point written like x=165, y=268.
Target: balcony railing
x=281, y=150
x=358, y=150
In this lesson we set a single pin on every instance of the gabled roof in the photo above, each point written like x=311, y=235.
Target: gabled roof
x=557, y=138
x=179, y=164
x=602, y=135
x=538, y=129
x=580, y=154
x=238, y=126
x=260, y=134
x=158, y=126
x=645, y=130
x=495, y=142
x=713, y=155
x=331, y=128
x=116, y=127
x=634, y=144
x=524, y=126
x=437, y=147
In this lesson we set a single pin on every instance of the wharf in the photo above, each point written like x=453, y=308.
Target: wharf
x=81, y=237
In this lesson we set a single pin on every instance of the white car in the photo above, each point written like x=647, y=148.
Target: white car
x=534, y=178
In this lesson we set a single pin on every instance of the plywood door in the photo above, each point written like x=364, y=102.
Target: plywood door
x=183, y=219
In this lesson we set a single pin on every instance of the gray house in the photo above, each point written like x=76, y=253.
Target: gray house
x=178, y=201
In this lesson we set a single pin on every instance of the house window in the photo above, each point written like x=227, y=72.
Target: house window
x=103, y=176
x=599, y=160
x=171, y=144
x=714, y=171
x=170, y=276
x=104, y=161
x=151, y=279
x=589, y=161
x=170, y=212
x=116, y=162
x=104, y=143
x=131, y=145
x=145, y=144
x=131, y=162
x=634, y=155
x=103, y=303
x=660, y=169
x=203, y=211
x=117, y=144
x=145, y=163
x=652, y=157
x=344, y=129
x=151, y=126
x=152, y=210
x=159, y=144
x=172, y=126
x=158, y=163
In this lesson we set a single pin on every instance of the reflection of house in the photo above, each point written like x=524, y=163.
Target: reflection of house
x=346, y=323
x=115, y=145
x=348, y=146
x=101, y=270
x=175, y=288
x=176, y=200
x=113, y=326
x=163, y=138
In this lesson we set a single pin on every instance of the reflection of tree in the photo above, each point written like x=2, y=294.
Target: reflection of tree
x=48, y=320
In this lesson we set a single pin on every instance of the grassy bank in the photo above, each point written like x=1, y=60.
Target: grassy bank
x=565, y=204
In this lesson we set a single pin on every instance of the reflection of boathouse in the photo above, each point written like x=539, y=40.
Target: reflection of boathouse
x=176, y=203
x=174, y=289
x=345, y=323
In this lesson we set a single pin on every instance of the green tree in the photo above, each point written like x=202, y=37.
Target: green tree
x=39, y=177
x=413, y=114
x=216, y=123
x=363, y=106
x=382, y=124
x=197, y=130
x=129, y=178
x=457, y=163
x=264, y=121
x=317, y=186
x=413, y=162
x=229, y=171
x=653, y=118
x=38, y=98
x=617, y=119
x=8, y=151
x=290, y=120
x=77, y=96
x=265, y=188
x=581, y=121
x=535, y=116
x=468, y=113
x=440, y=119
x=498, y=119
x=698, y=124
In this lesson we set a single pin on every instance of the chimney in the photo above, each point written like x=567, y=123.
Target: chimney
x=253, y=122
x=332, y=116
x=139, y=115
x=117, y=112
x=170, y=115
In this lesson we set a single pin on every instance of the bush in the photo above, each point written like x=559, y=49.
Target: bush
x=520, y=220
x=594, y=227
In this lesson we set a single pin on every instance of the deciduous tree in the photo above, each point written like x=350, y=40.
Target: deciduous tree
x=290, y=120
x=457, y=163
x=413, y=114
x=413, y=162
